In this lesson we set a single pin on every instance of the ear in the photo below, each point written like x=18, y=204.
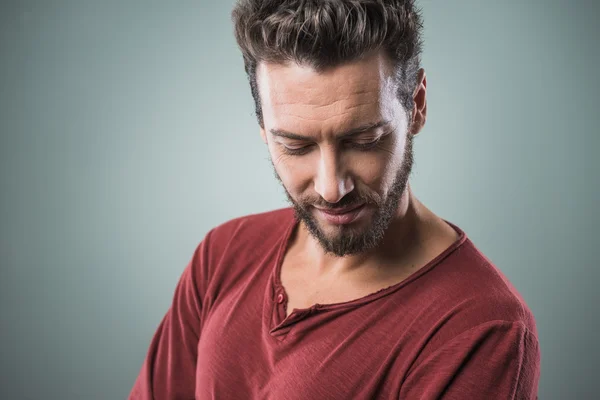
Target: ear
x=263, y=135
x=419, y=111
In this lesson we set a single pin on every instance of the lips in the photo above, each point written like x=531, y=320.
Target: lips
x=341, y=216
x=338, y=211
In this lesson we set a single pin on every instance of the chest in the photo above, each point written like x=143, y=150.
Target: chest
x=303, y=290
x=339, y=354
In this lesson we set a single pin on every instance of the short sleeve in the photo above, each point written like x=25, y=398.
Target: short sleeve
x=495, y=360
x=168, y=371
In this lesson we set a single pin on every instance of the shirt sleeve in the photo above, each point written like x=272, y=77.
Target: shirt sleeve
x=168, y=371
x=495, y=360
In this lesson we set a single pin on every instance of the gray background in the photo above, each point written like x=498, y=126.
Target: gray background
x=127, y=132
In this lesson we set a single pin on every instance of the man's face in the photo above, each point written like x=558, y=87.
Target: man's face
x=338, y=139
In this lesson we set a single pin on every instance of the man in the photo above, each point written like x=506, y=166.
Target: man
x=357, y=291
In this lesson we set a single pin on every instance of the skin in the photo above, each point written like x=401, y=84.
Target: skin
x=395, y=233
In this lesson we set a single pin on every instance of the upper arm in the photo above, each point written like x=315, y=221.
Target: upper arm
x=169, y=368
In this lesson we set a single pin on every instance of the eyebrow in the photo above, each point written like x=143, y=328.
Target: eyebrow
x=345, y=135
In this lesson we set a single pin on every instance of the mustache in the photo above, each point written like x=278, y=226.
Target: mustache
x=354, y=200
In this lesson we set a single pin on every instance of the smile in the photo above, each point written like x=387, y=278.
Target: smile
x=341, y=216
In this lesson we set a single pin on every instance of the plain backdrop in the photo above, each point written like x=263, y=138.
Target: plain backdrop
x=127, y=132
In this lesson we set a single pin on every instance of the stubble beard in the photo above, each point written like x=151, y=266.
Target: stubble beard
x=349, y=240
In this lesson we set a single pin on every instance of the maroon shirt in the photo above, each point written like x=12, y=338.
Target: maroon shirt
x=455, y=329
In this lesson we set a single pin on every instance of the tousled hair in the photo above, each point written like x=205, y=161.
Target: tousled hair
x=326, y=33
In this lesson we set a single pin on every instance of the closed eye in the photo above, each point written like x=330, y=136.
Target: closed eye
x=296, y=151
x=365, y=145
x=361, y=145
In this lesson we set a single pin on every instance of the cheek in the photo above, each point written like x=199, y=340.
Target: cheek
x=376, y=172
x=294, y=174
x=370, y=171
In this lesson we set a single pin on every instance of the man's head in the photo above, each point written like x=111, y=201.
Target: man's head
x=339, y=95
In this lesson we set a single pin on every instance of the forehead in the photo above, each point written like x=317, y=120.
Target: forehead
x=336, y=98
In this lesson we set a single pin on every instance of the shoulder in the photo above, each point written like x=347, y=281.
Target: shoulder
x=253, y=227
x=230, y=247
x=469, y=293
x=492, y=294
x=247, y=234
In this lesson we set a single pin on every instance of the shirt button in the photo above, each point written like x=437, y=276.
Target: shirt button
x=280, y=298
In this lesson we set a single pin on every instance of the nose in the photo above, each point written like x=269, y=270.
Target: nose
x=332, y=181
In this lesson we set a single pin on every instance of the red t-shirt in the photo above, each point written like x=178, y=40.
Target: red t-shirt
x=455, y=329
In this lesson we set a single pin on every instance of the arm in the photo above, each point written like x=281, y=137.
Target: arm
x=494, y=360
x=168, y=371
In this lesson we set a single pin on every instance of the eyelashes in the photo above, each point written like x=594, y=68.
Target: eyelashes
x=362, y=146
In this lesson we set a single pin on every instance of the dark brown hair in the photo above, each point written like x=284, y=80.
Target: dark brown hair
x=327, y=33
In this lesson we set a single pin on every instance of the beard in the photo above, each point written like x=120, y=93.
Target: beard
x=348, y=240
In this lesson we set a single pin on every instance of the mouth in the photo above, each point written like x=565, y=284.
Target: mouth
x=341, y=216
x=339, y=211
